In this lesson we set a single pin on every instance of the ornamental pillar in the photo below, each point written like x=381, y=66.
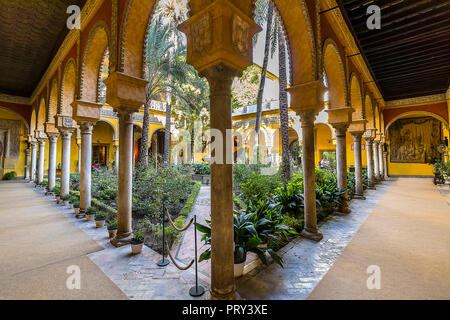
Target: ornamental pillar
x=376, y=161
x=65, y=126
x=27, y=163
x=369, y=137
x=86, y=114
x=40, y=169
x=32, y=168
x=385, y=155
x=126, y=95
x=356, y=129
x=219, y=46
x=307, y=102
x=380, y=159
x=53, y=141
x=340, y=119
x=66, y=136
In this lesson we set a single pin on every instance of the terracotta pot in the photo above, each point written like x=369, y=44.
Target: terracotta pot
x=89, y=217
x=239, y=269
x=76, y=210
x=99, y=223
x=112, y=233
x=136, y=247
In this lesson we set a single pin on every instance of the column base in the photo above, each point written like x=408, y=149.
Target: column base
x=81, y=214
x=218, y=296
x=371, y=187
x=359, y=196
x=122, y=240
x=312, y=235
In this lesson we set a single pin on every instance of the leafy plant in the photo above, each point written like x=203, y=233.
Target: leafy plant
x=67, y=197
x=201, y=168
x=90, y=210
x=10, y=175
x=101, y=215
x=76, y=203
x=112, y=224
x=138, y=235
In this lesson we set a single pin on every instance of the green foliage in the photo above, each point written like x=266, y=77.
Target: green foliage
x=76, y=203
x=67, y=197
x=259, y=187
x=56, y=190
x=101, y=215
x=10, y=175
x=191, y=200
x=75, y=181
x=112, y=224
x=90, y=210
x=442, y=167
x=243, y=172
x=138, y=235
x=239, y=203
x=154, y=187
x=201, y=168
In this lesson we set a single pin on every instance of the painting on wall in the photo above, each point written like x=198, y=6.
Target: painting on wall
x=415, y=140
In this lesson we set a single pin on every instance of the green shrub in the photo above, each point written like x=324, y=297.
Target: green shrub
x=56, y=190
x=138, y=235
x=90, y=210
x=101, y=215
x=191, y=200
x=67, y=197
x=10, y=175
x=201, y=168
x=243, y=172
x=112, y=224
x=259, y=187
x=76, y=203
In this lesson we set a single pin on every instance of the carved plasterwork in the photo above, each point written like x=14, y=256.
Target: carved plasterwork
x=240, y=35
x=201, y=32
x=417, y=100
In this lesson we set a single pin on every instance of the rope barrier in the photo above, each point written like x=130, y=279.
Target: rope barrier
x=173, y=225
x=176, y=265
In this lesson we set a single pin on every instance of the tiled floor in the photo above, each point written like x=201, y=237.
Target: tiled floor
x=306, y=262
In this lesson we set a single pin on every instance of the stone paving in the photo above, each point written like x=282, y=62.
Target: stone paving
x=136, y=275
x=305, y=261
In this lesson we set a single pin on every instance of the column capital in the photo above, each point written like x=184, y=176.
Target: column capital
x=339, y=117
x=53, y=137
x=307, y=117
x=220, y=77
x=86, y=127
x=370, y=133
x=219, y=33
x=86, y=111
x=125, y=92
x=39, y=134
x=357, y=126
x=28, y=151
x=42, y=142
x=50, y=128
x=66, y=133
x=357, y=135
x=307, y=96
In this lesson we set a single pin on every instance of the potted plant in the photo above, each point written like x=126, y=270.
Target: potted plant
x=112, y=228
x=66, y=199
x=137, y=242
x=76, y=206
x=90, y=214
x=100, y=218
x=246, y=240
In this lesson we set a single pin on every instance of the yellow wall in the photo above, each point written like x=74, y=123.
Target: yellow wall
x=19, y=167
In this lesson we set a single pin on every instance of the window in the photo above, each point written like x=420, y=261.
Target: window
x=100, y=154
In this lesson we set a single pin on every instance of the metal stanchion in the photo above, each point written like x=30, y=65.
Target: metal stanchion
x=163, y=262
x=197, y=290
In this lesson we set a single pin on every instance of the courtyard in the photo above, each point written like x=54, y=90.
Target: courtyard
x=224, y=150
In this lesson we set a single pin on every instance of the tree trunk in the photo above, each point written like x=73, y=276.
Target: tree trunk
x=284, y=112
x=262, y=83
x=143, y=151
x=166, y=158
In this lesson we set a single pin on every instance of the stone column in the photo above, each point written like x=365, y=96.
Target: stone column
x=376, y=161
x=79, y=157
x=341, y=164
x=370, y=162
x=53, y=141
x=220, y=79
x=359, y=189
x=117, y=156
x=27, y=163
x=385, y=154
x=86, y=166
x=33, y=160
x=40, y=170
x=310, y=231
x=65, y=161
x=124, y=203
x=380, y=159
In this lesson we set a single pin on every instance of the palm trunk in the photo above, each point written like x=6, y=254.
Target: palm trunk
x=166, y=158
x=262, y=83
x=284, y=112
x=143, y=151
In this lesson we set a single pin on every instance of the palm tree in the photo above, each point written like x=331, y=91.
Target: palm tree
x=159, y=67
x=284, y=111
x=263, y=14
x=172, y=13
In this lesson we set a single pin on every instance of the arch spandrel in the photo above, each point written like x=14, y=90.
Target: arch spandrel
x=294, y=15
x=92, y=60
x=68, y=88
x=335, y=72
x=53, y=102
x=356, y=98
